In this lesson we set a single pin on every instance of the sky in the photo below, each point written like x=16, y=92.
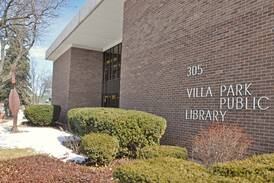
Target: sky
x=37, y=53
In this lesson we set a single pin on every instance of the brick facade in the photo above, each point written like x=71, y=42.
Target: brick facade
x=77, y=80
x=231, y=40
x=60, y=82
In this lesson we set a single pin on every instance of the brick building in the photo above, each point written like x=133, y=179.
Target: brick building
x=192, y=62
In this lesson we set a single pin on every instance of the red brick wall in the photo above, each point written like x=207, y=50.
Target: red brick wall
x=231, y=40
x=86, y=78
x=77, y=80
x=60, y=82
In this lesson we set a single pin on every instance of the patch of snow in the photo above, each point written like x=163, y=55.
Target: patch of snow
x=21, y=119
x=42, y=140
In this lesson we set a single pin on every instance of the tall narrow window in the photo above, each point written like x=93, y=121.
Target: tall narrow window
x=111, y=76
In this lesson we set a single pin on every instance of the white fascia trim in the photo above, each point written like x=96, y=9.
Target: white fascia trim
x=65, y=34
x=88, y=48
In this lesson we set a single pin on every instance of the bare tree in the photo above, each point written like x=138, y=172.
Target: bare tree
x=41, y=83
x=23, y=20
x=45, y=86
x=34, y=80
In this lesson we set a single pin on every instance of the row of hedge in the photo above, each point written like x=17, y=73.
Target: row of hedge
x=102, y=149
x=163, y=170
x=256, y=169
x=259, y=169
x=133, y=129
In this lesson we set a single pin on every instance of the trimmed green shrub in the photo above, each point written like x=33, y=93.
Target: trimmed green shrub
x=40, y=115
x=220, y=179
x=259, y=169
x=133, y=129
x=256, y=169
x=162, y=151
x=161, y=170
x=100, y=148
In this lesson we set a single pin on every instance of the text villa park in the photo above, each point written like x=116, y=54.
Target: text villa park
x=232, y=97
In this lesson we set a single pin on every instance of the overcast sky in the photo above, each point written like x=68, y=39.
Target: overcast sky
x=37, y=54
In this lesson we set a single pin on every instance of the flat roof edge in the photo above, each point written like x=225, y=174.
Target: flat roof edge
x=76, y=21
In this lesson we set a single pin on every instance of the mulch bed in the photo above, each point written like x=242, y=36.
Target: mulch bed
x=44, y=169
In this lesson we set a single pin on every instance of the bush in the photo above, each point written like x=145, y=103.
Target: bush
x=220, y=143
x=161, y=170
x=40, y=115
x=133, y=129
x=221, y=179
x=100, y=148
x=256, y=169
x=162, y=151
x=259, y=169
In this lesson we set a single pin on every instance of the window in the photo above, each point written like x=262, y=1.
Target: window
x=111, y=100
x=111, y=76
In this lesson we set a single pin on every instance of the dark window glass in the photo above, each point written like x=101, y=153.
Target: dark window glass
x=111, y=76
x=107, y=65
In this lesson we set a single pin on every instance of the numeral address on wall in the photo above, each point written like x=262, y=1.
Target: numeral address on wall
x=195, y=70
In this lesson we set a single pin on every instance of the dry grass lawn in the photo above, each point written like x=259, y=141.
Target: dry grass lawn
x=7, y=154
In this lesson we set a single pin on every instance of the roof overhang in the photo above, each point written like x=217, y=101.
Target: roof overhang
x=97, y=26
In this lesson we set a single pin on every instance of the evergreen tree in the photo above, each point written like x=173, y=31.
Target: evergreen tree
x=22, y=77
